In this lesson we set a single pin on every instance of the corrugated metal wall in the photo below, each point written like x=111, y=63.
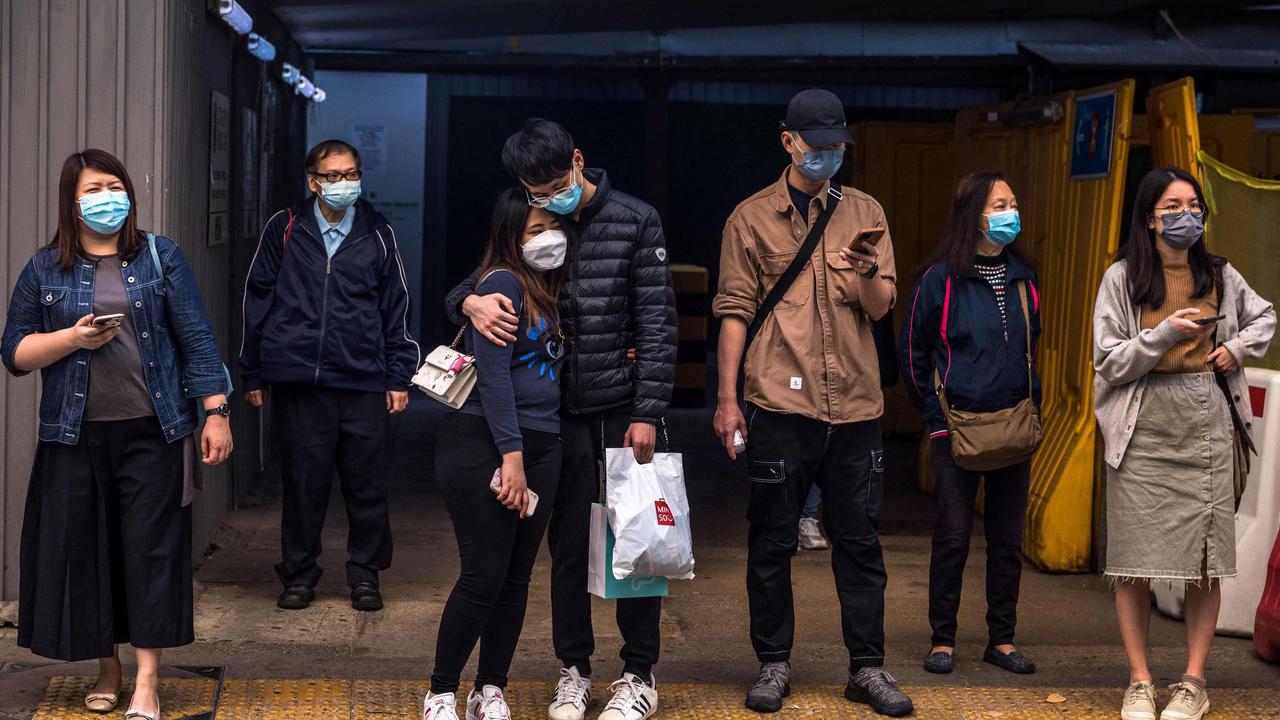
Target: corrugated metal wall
x=136, y=88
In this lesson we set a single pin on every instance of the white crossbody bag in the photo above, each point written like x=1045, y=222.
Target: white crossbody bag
x=448, y=375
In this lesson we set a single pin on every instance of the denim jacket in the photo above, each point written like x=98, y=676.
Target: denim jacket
x=180, y=358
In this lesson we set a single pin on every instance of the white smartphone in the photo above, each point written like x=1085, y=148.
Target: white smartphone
x=739, y=445
x=496, y=486
x=108, y=321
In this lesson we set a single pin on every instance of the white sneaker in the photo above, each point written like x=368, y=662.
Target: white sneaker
x=811, y=535
x=633, y=699
x=440, y=707
x=488, y=704
x=573, y=695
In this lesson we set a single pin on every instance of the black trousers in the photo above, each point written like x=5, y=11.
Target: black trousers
x=1004, y=517
x=786, y=455
x=106, y=544
x=323, y=429
x=496, y=547
x=585, y=438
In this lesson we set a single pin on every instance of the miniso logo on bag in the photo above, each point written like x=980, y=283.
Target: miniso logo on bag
x=665, y=516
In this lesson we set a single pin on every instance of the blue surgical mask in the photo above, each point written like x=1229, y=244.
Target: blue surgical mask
x=563, y=204
x=340, y=195
x=1003, y=227
x=105, y=212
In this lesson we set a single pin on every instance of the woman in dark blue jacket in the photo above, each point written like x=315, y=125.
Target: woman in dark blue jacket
x=966, y=329
x=113, y=319
x=510, y=424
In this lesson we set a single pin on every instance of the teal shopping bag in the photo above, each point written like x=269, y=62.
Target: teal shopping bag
x=600, y=579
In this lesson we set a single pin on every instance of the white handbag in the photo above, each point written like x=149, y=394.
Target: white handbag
x=448, y=375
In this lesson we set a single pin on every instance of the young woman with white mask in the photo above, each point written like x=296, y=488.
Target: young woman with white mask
x=510, y=423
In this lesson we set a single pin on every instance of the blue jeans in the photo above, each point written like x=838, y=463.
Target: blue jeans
x=812, y=502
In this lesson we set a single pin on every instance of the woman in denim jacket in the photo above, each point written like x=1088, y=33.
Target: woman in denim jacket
x=106, y=536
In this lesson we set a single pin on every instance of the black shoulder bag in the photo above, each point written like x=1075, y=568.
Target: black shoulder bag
x=788, y=277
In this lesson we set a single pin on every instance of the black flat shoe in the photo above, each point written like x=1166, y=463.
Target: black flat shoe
x=297, y=597
x=940, y=663
x=365, y=597
x=1014, y=662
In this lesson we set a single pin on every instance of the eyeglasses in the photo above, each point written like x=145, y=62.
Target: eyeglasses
x=1172, y=213
x=541, y=201
x=334, y=177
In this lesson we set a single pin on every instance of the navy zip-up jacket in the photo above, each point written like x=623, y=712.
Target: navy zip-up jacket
x=340, y=322
x=962, y=336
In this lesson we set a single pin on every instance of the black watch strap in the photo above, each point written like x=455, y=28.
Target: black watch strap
x=224, y=410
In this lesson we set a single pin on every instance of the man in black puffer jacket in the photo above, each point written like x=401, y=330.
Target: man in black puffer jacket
x=618, y=296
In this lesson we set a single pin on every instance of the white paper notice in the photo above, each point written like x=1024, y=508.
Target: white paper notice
x=371, y=142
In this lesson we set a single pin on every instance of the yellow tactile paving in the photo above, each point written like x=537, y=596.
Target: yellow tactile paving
x=257, y=699
x=65, y=698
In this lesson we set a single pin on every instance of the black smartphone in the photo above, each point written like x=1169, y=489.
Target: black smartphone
x=1206, y=321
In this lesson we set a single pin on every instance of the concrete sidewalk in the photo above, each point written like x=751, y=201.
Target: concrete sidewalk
x=1067, y=622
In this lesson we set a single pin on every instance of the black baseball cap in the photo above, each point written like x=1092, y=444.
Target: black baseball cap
x=818, y=115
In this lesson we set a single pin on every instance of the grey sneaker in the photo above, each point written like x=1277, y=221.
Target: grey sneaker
x=1190, y=701
x=1139, y=702
x=811, y=535
x=876, y=687
x=774, y=684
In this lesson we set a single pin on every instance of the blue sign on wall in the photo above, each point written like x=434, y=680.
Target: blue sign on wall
x=1093, y=129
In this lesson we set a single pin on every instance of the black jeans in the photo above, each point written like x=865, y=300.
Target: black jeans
x=585, y=437
x=323, y=428
x=786, y=455
x=1004, y=516
x=497, y=548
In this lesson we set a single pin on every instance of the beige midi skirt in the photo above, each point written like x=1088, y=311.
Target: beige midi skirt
x=1171, y=503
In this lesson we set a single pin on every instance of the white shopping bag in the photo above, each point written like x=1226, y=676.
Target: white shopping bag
x=649, y=514
x=600, y=579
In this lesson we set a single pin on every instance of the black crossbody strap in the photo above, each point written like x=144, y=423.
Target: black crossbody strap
x=792, y=272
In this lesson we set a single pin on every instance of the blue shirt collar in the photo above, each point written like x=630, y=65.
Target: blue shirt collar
x=344, y=225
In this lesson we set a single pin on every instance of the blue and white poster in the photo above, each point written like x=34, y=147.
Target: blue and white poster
x=1091, y=135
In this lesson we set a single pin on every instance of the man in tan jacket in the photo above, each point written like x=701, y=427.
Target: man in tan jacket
x=812, y=391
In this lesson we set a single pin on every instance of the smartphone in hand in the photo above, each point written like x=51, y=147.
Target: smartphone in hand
x=1207, y=320
x=870, y=236
x=108, y=321
x=496, y=486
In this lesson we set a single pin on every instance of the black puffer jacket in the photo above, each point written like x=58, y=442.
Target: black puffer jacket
x=618, y=296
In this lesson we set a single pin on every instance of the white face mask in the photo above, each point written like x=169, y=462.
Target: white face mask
x=546, y=250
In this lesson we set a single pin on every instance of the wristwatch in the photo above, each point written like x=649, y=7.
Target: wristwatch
x=224, y=410
x=871, y=271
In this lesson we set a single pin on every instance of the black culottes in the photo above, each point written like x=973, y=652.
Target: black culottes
x=106, y=544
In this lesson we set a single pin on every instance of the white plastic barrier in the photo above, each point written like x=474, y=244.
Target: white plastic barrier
x=1257, y=521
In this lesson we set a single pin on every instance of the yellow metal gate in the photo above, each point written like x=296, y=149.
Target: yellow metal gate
x=909, y=169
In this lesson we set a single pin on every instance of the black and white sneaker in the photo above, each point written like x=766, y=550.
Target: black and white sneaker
x=633, y=699
x=774, y=685
x=877, y=688
x=573, y=695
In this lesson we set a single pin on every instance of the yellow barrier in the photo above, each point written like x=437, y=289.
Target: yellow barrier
x=910, y=170
x=1071, y=227
x=1244, y=213
x=1175, y=127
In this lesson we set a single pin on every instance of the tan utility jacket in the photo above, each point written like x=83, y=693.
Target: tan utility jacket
x=814, y=356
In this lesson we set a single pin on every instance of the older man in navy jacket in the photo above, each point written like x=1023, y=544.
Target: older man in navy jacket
x=326, y=311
